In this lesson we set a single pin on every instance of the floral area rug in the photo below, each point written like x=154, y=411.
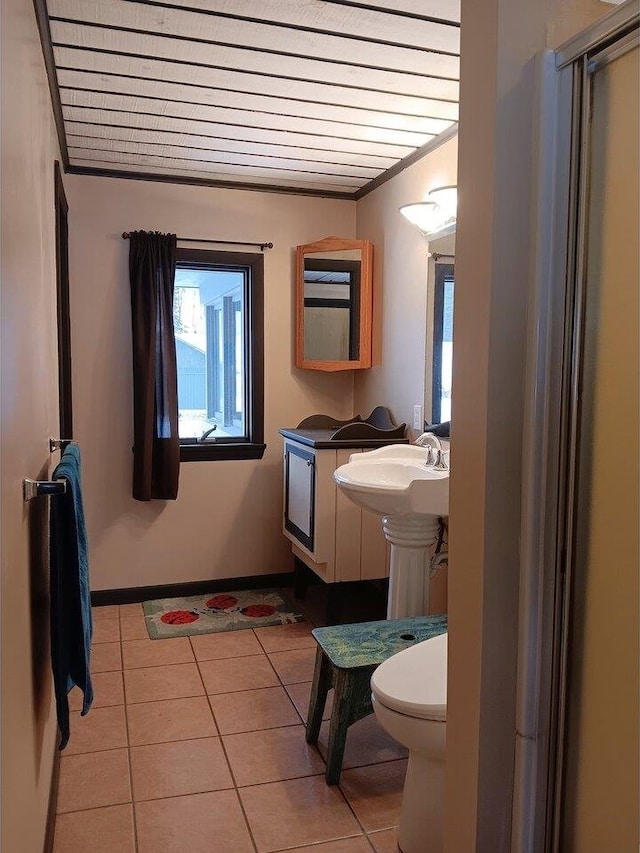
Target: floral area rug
x=221, y=611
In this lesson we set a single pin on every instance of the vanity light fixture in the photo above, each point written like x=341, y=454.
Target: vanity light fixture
x=446, y=199
x=431, y=216
x=423, y=215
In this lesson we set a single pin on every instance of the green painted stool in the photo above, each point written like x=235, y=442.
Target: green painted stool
x=345, y=660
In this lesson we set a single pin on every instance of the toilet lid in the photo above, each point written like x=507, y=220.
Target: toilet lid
x=414, y=681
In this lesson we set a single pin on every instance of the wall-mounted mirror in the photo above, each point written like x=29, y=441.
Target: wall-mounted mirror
x=333, y=294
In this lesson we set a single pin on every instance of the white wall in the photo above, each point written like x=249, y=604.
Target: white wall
x=227, y=519
x=397, y=378
x=29, y=415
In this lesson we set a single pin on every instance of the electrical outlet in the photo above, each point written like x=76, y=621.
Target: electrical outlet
x=418, y=422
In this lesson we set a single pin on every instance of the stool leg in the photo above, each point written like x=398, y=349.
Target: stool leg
x=340, y=721
x=318, y=698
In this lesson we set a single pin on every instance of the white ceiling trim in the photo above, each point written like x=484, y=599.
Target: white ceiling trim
x=343, y=18
x=262, y=64
x=253, y=85
x=261, y=104
x=226, y=170
x=161, y=122
x=263, y=36
x=241, y=149
x=88, y=143
x=213, y=177
x=323, y=130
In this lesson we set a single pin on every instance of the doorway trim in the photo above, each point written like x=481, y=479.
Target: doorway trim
x=65, y=397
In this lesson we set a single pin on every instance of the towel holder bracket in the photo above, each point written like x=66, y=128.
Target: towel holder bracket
x=36, y=488
x=59, y=443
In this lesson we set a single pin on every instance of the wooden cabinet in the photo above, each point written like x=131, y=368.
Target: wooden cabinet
x=328, y=533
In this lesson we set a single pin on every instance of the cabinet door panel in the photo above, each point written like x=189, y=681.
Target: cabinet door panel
x=299, y=497
x=347, y=531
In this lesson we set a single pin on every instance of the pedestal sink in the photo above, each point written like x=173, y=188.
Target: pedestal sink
x=395, y=483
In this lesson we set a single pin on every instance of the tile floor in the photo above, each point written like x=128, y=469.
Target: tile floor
x=197, y=743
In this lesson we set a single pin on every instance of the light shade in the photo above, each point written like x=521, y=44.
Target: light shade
x=447, y=200
x=423, y=214
x=431, y=216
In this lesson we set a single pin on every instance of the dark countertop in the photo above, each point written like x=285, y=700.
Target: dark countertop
x=321, y=439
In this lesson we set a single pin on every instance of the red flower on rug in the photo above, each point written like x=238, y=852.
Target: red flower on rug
x=179, y=617
x=258, y=610
x=222, y=602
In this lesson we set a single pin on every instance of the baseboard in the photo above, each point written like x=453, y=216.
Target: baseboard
x=136, y=594
x=53, y=801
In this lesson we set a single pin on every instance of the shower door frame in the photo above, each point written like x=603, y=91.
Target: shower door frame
x=551, y=433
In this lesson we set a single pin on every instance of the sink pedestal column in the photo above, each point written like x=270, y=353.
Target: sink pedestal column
x=410, y=537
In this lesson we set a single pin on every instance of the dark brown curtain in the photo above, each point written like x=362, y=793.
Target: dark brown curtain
x=156, y=451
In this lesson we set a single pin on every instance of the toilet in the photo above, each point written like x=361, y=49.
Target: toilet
x=409, y=697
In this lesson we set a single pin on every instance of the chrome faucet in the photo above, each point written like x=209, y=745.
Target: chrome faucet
x=428, y=438
x=440, y=463
x=435, y=453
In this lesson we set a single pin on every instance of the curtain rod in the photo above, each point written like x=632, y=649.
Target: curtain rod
x=262, y=246
x=437, y=255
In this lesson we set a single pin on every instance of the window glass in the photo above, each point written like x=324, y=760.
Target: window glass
x=446, y=366
x=209, y=313
x=442, y=343
x=219, y=331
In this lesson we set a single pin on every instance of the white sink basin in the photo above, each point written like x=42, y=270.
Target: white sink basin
x=394, y=481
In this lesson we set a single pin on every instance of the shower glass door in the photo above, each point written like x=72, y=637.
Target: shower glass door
x=599, y=801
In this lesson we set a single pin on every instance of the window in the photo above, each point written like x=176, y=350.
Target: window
x=443, y=343
x=218, y=323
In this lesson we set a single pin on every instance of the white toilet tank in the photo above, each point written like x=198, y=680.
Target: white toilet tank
x=414, y=681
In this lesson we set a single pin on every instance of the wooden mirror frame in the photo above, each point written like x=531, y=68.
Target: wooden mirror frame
x=338, y=244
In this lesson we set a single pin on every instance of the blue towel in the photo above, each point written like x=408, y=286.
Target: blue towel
x=71, y=625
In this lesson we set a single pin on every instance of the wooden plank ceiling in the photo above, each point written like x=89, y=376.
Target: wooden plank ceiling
x=320, y=96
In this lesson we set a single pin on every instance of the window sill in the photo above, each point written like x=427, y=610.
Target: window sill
x=212, y=451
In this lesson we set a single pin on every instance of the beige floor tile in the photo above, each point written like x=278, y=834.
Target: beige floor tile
x=140, y=653
x=105, y=657
x=130, y=610
x=93, y=779
x=375, y=793
x=225, y=644
x=344, y=845
x=294, y=666
x=162, y=682
x=234, y=674
x=106, y=631
x=108, y=611
x=170, y=720
x=283, y=638
x=183, y=767
x=295, y=813
x=385, y=841
x=200, y=823
x=133, y=628
x=106, y=830
x=271, y=755
x=101, y=728
x=250, y=710
x=107, y=690
x=300, y=694
x=367, y=743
